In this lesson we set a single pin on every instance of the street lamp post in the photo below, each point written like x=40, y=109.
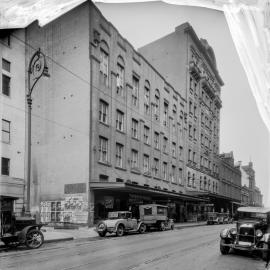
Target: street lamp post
x=36, y=69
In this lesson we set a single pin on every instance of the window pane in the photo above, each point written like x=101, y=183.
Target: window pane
x=5, y=85
x=5, y=65
x=5, y=166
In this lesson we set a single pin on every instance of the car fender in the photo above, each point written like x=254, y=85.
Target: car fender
x=265, y=238
x=139, y=224
x=22, y=234
x=118, y=224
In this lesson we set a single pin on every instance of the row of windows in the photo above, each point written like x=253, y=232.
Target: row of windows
x=120, y=89
x=120, y=125
x=134, y=161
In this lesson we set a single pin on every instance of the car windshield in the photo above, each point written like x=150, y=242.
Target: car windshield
x=116, y=215
x=251, y=215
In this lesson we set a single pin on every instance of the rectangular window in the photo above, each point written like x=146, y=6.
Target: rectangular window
x=5, y=65
x=156, y=167
x=146, y=164
x=180, y=152
x=5, y=85
x=146, y=132
x=103, y=111
x=165, y=144
x=119, y=155
x=5, y=131
x=174, y=149
x=166, y=115
x=103, y=149
x=135, y=90
x=5, y=39
x=164, y=170
x=173, y=178
x=5, y=162
x=180, y=176
x=146, y=100
x=156, y=140
x=189, y=155
x=134, y=159
x=104, y=66
x=119, y=120
x=120, y=80
x=134, y=128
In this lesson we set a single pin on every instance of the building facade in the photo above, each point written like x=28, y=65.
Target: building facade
x=190, y=64
x=12, y=111
x=110, y=131
x=230, y=182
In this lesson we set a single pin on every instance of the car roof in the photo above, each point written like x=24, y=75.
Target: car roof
x=250, y=209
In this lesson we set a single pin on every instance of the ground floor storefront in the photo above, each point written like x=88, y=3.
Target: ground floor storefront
x=127, y=197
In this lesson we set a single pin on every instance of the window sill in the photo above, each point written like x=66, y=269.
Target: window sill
x=156, y=177
x=136, y=139
x=105, y=124
x=147, y=174
x=120, y=168
x=120, y=131
x=135, y=171
x=105, y=163
x=147, y=144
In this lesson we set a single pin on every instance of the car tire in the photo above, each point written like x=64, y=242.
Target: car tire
x=142, y=228
x=34, y=239
x=224, y=250
x=120, y=230
x=162, y=226
x=102, y=234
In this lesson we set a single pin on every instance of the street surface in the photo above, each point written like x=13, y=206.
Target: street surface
x=185, y=249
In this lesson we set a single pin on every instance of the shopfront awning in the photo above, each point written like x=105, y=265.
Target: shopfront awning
x=133, y=188
x=207, y=194
x=11, y=187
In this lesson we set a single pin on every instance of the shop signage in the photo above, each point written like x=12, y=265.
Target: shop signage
x=108, y=202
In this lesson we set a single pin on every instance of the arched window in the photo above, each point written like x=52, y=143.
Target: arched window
x=104, y=62
x=120, y=77
x=147, y=97
x=156, y=105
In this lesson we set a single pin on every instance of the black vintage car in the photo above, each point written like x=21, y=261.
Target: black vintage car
x=252, y=232
x=20, y=230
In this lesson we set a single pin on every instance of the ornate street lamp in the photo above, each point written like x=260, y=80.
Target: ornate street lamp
x=37, y=68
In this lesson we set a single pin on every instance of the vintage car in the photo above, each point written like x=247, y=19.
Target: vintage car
x=213, y=218
x=155, y=216
x=20, y=230
x=120, y=222
x=251, y=232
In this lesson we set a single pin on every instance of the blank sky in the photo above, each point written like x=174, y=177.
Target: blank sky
x=242, y=130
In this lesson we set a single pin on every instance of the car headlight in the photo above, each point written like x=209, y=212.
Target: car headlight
x=259, y=233
x=224, y=233
x=233, y=231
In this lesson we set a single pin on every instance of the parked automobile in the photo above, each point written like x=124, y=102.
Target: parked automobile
x=223, y=218
x=251, y=232
x=156, y=215
x=20, y=230
x=120, y=222
x=212, y=218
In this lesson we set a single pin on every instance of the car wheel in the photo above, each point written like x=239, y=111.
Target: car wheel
x=120, y=230
x=34, y=239
x=162, y=226
x=224, y=249
x=102, y=234
x=142, y=228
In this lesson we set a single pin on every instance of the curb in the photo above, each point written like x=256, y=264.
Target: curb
x=188, y=226
x=59, y=240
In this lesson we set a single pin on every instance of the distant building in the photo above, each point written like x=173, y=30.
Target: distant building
x=12, y=111
x=248, y=180
x=189, y=63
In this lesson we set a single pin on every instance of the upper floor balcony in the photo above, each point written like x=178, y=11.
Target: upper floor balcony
x=208, y=87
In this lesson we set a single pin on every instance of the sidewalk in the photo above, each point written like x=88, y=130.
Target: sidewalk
x=57, y=235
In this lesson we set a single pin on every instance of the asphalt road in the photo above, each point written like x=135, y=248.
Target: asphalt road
x=185, y=249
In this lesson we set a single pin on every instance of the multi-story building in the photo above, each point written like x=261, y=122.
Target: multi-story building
x=244, y=195
x=230, y=182
x=12, y=111
x=189, y=64
x=110, y=130
x=248, y=180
